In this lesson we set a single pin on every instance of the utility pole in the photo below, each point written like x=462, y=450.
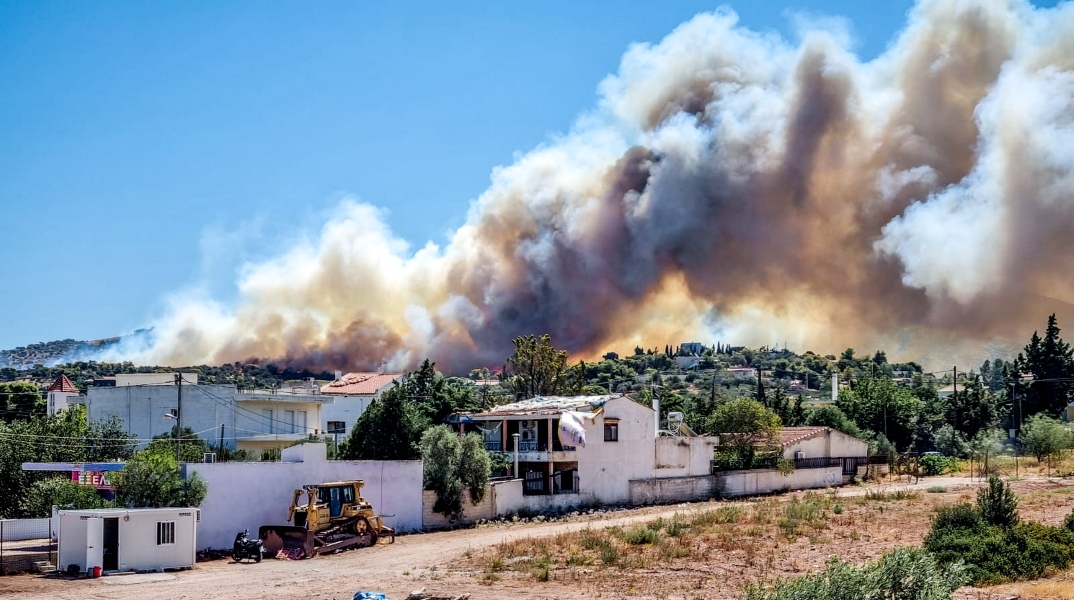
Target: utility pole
x=954, y=395
x=221, y=448
x=179, y=418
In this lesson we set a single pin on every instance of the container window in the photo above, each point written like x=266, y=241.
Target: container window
x=165, y=532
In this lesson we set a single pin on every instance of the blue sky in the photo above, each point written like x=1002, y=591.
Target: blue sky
x=146, y=146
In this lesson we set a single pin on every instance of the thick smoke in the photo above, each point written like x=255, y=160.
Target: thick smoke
x=729, y=184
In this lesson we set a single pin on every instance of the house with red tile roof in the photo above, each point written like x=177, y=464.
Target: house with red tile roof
x=58, y=394
x=352, y=393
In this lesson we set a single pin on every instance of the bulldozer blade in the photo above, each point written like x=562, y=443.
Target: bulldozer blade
x=294, y=542
x=389, y=532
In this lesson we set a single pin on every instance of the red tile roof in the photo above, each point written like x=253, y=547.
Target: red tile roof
x=360, y=384
x=793, y=435
x=63, y=384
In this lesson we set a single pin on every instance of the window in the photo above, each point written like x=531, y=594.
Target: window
x=337, y=427
x=165, y=532
x=267, y=421
x=611, y=432
x=289, y=420
x=300, y=422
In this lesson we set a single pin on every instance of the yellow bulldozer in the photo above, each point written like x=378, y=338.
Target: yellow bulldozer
x=325, y=518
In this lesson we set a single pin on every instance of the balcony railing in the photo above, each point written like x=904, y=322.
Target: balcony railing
x=532, y=447
x=494, y=446
x=558, y=489
x=538, y=484
x=818, y=462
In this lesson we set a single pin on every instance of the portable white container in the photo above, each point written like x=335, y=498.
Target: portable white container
x=121, y=539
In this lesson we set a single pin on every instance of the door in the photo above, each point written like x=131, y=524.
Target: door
x=266, y=418
x=289, y=420
x=300, y=422
x=335, y=504
x=94, y=542
x=111, y=544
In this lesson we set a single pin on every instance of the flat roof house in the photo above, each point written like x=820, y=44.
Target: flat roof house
x=623, y=452
x=253, y=420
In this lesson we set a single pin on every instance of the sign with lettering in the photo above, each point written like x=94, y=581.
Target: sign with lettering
x=97, y=479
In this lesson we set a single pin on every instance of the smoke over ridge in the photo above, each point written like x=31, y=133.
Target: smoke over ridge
x=728, y=184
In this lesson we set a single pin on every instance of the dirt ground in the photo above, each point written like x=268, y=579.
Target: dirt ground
x=456, y=562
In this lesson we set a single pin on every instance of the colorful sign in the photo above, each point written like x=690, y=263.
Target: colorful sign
x=97, y=479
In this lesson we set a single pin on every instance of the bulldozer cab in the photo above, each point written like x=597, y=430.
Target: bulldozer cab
x=336, y=497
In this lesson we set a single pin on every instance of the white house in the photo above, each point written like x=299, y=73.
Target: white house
x=58, y=394
x=624, y=460
x=120, y=539
x=821, y=456
x=352, y=393
x=742, y=372
x=253, y=420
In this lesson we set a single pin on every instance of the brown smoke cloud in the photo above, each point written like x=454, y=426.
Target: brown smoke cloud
x=730, y=185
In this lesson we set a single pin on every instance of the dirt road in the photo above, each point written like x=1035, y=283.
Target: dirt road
x=412, y=562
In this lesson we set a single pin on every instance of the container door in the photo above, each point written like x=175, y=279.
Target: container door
x=94, y=542
x=111, y=544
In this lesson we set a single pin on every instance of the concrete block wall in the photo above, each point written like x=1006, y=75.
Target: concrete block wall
x=471, y=512
x=671, y=489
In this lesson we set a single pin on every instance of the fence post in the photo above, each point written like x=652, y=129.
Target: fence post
x=50, y=544
x=1, y=547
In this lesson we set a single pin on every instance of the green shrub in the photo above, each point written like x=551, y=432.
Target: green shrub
x=802, y=510
x=722, y=515
x=609, y=554
x=676, y=528
x=937, y=465
x=995, y=554
x=837, y=509
x=997, y=503
x=903, y=573
x=936, y=489
x=43, y=494
x=641, y=535
x=1068, y=522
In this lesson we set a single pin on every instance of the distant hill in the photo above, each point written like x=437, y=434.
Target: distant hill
x=50, y=353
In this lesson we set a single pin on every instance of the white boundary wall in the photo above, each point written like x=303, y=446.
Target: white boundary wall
x=14, y=530
x=247, y=495
x=730, y=484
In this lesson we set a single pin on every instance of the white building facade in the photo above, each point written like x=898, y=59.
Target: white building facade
x=220, y=414
x=351, y=395
x=60, y=394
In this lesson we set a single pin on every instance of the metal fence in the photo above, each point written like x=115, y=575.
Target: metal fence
x=26, y=545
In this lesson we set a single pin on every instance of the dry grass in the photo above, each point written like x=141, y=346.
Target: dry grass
x=713, y=552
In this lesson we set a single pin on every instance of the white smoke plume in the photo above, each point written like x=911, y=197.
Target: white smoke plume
x=730, y=184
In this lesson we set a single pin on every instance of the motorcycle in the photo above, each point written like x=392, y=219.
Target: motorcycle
x=246, y=548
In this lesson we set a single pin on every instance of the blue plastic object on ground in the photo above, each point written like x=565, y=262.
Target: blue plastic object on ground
x=369, y=596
